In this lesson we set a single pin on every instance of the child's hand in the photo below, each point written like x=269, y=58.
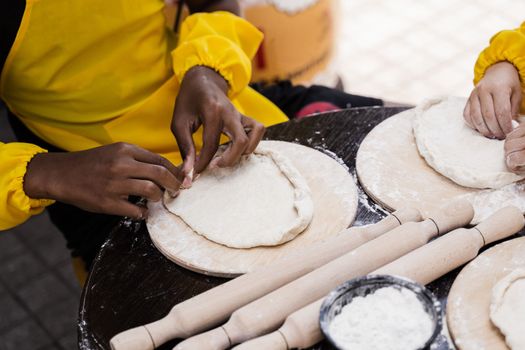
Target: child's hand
x=203, y=100
x=494, y=101
x=515, y=150
x=101, y=179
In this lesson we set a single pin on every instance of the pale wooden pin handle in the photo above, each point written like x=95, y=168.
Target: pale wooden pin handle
x=210, y=308
x=423, y=265
x=268, y=312
x=453, y=215
x=273, y=341
x=456, y=248
x=299, y=331
x=500, y=225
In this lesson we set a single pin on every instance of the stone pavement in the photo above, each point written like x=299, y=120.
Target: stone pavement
x=39, y=294
x=408, y=50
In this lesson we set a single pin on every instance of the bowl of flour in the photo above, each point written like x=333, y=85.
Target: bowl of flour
x=380, y=312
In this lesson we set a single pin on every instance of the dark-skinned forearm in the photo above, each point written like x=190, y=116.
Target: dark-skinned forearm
x=41, y=175
x=208, y=75
x=101, y=179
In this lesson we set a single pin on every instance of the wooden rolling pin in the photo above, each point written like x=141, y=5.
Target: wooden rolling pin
x=212, y=307
x=423, y=265
x=268, y=312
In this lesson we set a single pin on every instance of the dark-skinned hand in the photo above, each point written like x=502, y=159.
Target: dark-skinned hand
x=203, y=100
x=101, y=179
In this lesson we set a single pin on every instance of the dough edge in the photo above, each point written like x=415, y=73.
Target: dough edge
x=498, y=294
x=303, y=203
x=460, y=176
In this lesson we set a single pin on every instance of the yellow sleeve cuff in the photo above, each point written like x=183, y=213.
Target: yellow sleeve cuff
x=221, y=41
x=15, y=206
x=507, y=45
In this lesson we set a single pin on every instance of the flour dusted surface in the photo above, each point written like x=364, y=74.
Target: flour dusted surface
x=395, y=181
x=388, y=319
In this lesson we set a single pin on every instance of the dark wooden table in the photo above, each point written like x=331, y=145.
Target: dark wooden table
x=131, y=283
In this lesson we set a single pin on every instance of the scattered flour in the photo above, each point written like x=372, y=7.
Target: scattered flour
x=388, y=319
x=487, y=202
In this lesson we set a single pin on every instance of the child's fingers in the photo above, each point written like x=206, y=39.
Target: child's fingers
x=515, y=102
x=255, y=132
x=489, y=116
x=516, y=161
x=466, y=115
x=517, y=133
x=514, y=145
x=515, y=150
x=239, y=141
x=502, y=109
x=211, y=139
x=182, y=130
x=477, y=117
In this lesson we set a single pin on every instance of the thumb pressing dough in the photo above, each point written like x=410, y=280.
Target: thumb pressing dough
x=507, y=308
x=455, y=150
x=261, y=201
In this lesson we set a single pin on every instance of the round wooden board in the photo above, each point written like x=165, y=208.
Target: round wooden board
x=468, y=302
x=392, y=172
x=334, y=194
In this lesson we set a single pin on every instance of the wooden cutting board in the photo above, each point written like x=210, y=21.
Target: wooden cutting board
x=393, y=173
x=334, y=194
x=469, y=298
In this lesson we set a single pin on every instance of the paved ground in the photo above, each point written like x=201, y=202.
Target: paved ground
x=402, y=50
x=39, y=294
x=408, y=50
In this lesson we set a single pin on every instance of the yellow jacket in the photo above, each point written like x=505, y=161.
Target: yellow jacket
x=82, y=74
x=507, y=45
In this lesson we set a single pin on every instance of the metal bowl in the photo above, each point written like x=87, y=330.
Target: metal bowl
x=365, y=285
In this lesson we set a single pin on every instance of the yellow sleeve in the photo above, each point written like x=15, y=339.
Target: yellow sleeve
x=221, y=41
x=15, y=206
x=507, y=45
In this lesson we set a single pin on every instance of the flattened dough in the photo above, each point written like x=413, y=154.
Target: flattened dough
x=262, y=201
x=455, y=150
x=507, y=308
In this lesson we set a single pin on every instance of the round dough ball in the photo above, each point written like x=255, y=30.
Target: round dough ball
x=456, y=151
x=262, y=201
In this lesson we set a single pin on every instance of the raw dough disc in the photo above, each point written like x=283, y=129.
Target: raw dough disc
x=455, y=150
x=262, y=201
x=393, y=173
x=334, y=194
x=469, y=299
x=507, y=308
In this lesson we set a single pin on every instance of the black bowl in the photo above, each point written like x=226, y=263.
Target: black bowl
x=365, y=285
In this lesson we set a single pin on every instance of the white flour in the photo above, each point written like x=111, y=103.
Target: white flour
x=388, y=319
x=487, y=202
